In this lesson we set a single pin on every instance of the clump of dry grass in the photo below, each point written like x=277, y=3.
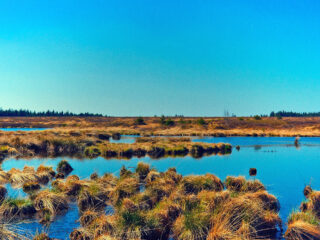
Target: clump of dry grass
x=305, y=224
x=55, y=203
x=88, y=217
x=64, y=167
x=28, y=175
x=244, y=217
x=18, y=177
x=92, y=200
x=240, y=184
x=195, y=184
x=17, y=208
x=30, y=187
x=9, y=231
x=80, y=233
x=126, y=187
x=300, y=230
x=142, y=170
x=42, y=236
x=45, y=172
x=4, y=177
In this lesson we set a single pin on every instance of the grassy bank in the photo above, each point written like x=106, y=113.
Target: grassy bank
x=93, y=143
x=177, y=126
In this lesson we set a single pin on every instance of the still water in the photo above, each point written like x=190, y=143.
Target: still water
x=283, y=168
x=22, y=129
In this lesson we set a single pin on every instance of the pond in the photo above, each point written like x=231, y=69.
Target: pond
x=22, y=129
x=125, y=139
x=282, y=167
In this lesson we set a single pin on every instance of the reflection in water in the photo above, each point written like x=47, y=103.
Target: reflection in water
x=60, y=228
x=257, y=147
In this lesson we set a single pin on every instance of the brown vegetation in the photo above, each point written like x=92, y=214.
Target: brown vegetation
x=192, y=207
x=185, y=126
x=93, y=143
x=152, y=205
x=306, y=223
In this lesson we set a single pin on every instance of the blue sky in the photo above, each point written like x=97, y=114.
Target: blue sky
x=142, y=57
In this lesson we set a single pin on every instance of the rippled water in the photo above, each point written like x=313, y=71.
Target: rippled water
x=282, y=167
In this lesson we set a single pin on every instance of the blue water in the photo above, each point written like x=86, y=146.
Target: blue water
x=22, y=129
x=283, y=168
x=257, y=141
x=125, y=139
x=60, y=228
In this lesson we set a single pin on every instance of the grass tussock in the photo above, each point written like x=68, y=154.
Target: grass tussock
x=240, y=184
x=305, y=224
x=17, y=208
x=53, y=202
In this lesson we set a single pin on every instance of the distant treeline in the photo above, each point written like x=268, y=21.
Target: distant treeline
x=28, y=113
x=294, y=114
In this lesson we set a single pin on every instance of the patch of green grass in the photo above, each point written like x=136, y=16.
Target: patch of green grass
x=201, y=122
x=132, y=219
x=139, y=121
x=92, y=151
x=12, y=202
x=307, y=216
x=4, y=149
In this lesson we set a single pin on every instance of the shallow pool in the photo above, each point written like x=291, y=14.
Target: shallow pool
x=22, y=129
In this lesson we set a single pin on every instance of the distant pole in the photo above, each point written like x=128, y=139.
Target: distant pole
x=296, y=141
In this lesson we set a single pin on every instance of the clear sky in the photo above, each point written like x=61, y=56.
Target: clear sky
x=143, y=57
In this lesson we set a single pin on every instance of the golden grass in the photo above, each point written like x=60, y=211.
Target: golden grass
x=300, y=230
x=243, y=217
x=94, y=142
x=19, y=177
x=12, y=232
x=306, y=223
x=215, y=126
x=54, y=202
x=190, y=207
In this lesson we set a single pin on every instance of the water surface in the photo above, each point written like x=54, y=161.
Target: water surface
x=22, y=129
